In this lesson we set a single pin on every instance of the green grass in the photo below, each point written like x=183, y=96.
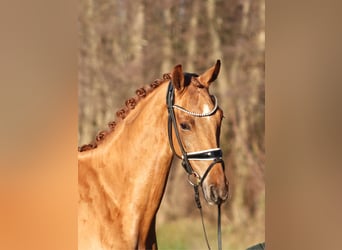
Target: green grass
x=187, y=234
x=174, y=235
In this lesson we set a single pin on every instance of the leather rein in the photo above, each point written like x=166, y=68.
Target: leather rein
x=214, y=155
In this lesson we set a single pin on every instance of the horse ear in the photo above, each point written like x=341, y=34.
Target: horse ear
x=178, y=78
x=211, y=74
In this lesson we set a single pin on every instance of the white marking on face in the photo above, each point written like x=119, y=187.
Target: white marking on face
x=206, y=108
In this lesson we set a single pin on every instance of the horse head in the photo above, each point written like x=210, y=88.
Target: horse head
x=196, y=130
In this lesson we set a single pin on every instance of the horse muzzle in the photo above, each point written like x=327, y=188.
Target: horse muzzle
x=215, y=186
x=215, y=194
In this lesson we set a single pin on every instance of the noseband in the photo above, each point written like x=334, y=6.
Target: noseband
x=213, y=154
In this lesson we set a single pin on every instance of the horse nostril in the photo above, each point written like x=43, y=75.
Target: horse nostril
x=224, y=195
x=218, y=195
x=213, y=193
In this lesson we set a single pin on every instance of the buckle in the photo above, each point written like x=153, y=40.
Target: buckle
x=194, y=179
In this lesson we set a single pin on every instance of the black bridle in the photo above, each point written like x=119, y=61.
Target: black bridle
x=214, y=155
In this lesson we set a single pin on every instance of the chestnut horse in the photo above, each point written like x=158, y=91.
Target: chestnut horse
x=122, y=176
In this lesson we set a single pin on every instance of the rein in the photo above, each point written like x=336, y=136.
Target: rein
x=214, y=155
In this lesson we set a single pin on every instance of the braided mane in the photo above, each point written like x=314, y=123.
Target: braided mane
x=122, y=113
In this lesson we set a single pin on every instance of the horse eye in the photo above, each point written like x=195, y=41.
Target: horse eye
x=185, y=126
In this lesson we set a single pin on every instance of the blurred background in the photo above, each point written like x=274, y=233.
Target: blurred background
x=124, y=45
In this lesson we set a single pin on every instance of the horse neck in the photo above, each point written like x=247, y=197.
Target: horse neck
x=132, y=163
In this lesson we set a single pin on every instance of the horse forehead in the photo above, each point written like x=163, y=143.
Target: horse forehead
x=201, y=100
x=196, y=100
x=197, y=95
